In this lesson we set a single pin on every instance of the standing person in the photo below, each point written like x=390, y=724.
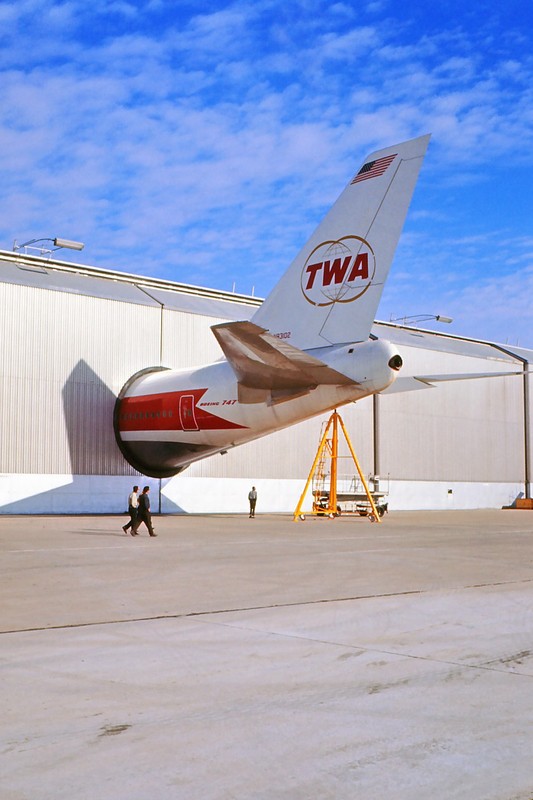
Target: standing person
x=133, y=505
x=252, y=497
x=143, y=514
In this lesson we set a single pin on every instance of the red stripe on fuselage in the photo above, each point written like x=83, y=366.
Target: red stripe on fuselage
x=170, y=411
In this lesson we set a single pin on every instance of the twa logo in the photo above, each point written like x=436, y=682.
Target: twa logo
x=338, y=271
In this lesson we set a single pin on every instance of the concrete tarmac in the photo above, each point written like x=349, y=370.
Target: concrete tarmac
x=264, y=659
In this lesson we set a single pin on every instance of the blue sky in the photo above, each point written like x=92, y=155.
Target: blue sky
x=203, y=141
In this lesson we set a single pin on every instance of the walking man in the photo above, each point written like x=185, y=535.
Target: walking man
x=133, y=505
x=252, y=497
x=143, y=514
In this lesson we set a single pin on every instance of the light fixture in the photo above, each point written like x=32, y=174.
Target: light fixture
x=68, y=243
x=414, y=318
x=58, y=244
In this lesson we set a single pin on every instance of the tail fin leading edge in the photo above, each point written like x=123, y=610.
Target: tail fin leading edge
x=331, y=291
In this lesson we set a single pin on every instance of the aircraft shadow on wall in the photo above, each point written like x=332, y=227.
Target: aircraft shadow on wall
x=88, y=414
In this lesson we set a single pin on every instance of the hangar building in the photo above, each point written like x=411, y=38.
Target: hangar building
x=72, y=335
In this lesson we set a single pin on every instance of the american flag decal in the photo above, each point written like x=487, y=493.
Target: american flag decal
x=374, y=168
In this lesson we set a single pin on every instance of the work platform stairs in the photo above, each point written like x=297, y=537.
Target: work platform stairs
x=332, y=492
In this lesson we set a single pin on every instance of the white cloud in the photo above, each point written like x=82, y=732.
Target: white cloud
x=225, y=135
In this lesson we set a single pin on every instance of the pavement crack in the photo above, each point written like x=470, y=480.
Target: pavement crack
x=263, y=607
x=484, y=666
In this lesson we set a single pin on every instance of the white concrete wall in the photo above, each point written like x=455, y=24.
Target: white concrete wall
x=230, y=496
x=67, y=494
x=471, y=430
x=442, y=495
x=105, y=494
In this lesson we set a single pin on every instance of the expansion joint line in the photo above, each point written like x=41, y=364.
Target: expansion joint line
x=266, y=607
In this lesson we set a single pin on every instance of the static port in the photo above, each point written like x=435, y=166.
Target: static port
x=396, y=362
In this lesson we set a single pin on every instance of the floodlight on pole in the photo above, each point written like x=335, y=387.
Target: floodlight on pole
x=68, y=243
x=414, y=318
x=58, y=244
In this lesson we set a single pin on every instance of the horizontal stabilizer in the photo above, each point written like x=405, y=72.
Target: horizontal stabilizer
x=267, y=368
x=409, y=383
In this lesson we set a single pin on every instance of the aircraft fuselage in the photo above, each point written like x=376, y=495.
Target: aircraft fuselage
x=167, y=419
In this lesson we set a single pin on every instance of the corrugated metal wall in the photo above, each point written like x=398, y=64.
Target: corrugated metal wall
x=65, y=356
x=463, y=431
x=188, y=340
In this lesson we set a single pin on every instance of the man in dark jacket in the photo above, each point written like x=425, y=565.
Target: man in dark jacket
x=143, y=513
x=133, y=504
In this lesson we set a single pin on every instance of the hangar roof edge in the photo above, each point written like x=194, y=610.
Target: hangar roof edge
x=76, y=278
x=47, y=273
x=452, y=343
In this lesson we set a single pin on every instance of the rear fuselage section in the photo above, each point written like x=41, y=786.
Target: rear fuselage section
x=166, y=419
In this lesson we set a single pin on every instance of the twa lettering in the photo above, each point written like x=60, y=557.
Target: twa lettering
x=336, y=271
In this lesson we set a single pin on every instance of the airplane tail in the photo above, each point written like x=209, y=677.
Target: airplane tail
x=331, y=291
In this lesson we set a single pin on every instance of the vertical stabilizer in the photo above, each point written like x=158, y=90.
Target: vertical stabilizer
x=331, y=291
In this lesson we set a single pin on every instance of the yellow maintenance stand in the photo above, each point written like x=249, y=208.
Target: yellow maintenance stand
x=328, y=449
